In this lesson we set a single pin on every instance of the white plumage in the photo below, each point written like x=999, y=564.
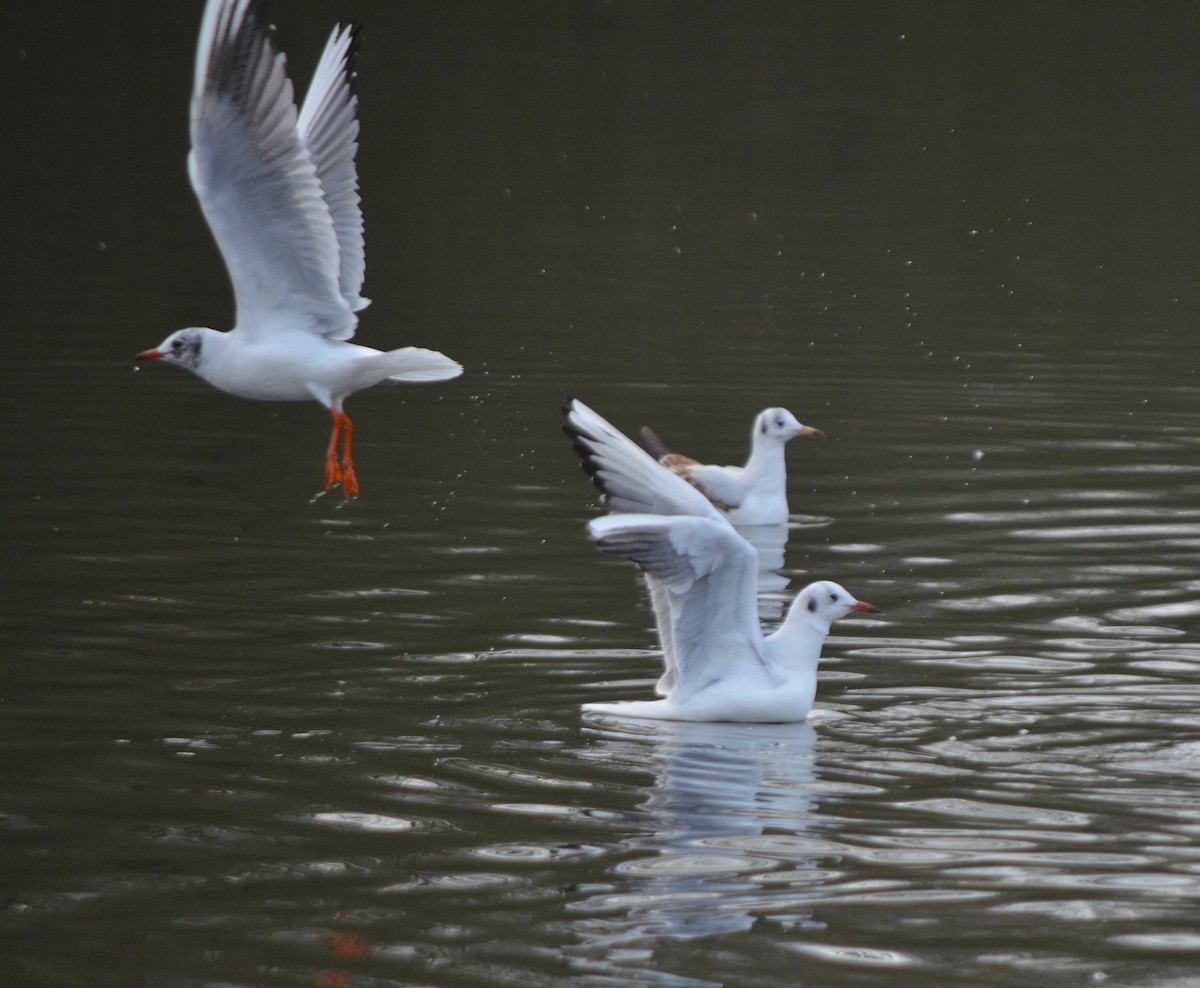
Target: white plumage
x=280, y=193
x=753, y=494
x=702, y=579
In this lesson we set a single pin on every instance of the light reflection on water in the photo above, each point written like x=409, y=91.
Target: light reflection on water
x=991, y=785
x=687, y=877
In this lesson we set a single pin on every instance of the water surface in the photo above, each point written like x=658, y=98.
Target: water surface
x=250, y=737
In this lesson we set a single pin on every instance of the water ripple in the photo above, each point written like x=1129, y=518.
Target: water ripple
x=368, y=822
x=855, y=956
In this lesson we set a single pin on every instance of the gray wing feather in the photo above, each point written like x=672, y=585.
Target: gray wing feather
x=658, y=449
x=702, y=578
x=328, y=126
x=256, y=181
x=718, y=484
x=629, y=478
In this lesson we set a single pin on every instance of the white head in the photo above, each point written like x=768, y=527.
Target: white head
x=184, y=347
x=781, y=425
x=820, y=604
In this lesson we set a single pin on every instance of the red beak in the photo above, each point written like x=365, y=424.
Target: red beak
x=149, y=355
x=863, y=607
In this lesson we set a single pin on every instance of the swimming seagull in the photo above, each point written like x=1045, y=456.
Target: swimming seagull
x=280, y=192
x=754, y=494
x=702, y=577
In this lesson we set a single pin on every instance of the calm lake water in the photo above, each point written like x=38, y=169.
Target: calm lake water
x=252, y=738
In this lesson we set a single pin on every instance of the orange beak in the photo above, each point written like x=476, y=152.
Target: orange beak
x=864, y=608
x=149, y=355
x=812, y=433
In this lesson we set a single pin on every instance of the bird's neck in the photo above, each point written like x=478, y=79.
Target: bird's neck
x=766, y=463
x=797, y=643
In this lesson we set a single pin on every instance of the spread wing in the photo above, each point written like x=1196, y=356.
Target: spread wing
x=628, y=477
x=702, y=577
x=256, y=181
x=328, y=127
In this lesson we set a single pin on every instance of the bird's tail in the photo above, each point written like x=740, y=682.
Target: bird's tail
x=658, y=449
x=414, y=364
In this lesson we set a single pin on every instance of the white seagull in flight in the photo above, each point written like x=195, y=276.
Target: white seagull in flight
x=279, y=190
x=754, y=494
x=702, y=577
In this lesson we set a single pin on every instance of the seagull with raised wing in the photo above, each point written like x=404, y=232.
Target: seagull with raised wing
x=279, y=190
x=753, y=494
x=702, y=577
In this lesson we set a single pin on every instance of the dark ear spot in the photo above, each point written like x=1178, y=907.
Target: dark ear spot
x=763, y=428
x=812, y=606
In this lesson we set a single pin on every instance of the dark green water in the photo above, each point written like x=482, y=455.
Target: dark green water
x=251, y=739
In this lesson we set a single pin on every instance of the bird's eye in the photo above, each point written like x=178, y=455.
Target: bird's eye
x=812, y=606
x=779, y=422
x=833, y=597
x=177, y=345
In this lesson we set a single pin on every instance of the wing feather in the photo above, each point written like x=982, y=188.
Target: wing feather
x=629, y=478
x=719, y=484
x=256, y=181
x=702, y=577
x=328, y=126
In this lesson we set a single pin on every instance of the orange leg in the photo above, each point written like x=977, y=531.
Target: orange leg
x=333, y=475
x=349, y=480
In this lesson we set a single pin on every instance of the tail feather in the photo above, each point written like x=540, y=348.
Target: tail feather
x=415, y=364
x=658, y=449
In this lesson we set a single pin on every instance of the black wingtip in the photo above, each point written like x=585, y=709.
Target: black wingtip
x=586, y=455
x=580, y=443
x=352, y=52
x=256, y=13
x=237, y=49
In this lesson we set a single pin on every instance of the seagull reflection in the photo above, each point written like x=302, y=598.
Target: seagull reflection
x=727, y=802
x=769, y=542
